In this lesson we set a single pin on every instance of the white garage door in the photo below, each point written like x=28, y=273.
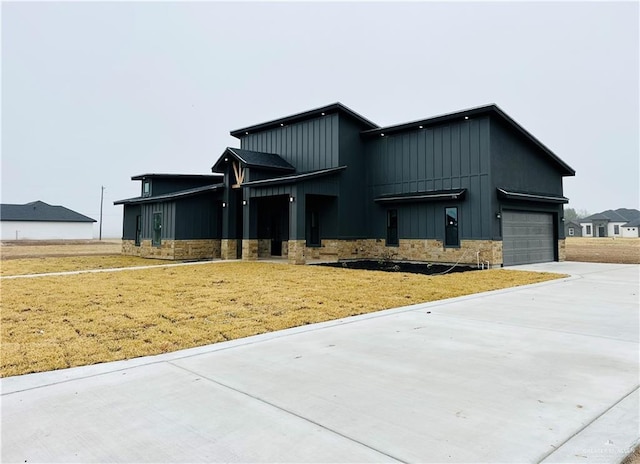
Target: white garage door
x=527, y=238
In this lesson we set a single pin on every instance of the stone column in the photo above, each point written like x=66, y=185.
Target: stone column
x=229, y=248
x=296, y=251
x=250, y=249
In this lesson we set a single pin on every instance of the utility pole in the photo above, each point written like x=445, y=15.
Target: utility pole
x=101, y=199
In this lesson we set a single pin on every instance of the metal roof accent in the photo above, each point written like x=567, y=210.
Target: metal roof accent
x=42, y=212
x=315, y=113
x=492, y=109
x=175, y=176
x=509, y=195
x=427, y=195
x=294, y=178
x=254, y=159
x=170, y=196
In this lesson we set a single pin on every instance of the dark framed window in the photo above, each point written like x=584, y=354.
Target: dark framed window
x=392, y=227
x=138, y=230
x=588, y=230
x=157, y=229
x=146, y=188
x=314, y=228
x=616, y=229
x=451, y=238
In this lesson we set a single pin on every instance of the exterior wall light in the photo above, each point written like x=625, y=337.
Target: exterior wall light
x=322, y=114
x=419, y=127
x=381, y=135
x=226, y=159
x=466, y=117
x=281, y=124
x=246, y=133
x=244, y=202
x=224, y=205
x=291, y=199
x=498, y=215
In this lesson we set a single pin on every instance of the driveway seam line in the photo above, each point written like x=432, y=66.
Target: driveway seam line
x=545, y=456
x=287, y=411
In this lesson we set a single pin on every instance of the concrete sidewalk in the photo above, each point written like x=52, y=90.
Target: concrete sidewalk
x=543, y=373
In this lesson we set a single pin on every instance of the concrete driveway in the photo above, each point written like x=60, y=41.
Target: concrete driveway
x=543, y=373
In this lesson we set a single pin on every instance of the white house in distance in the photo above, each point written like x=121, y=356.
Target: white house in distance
x=622, y=223
x=40, y=221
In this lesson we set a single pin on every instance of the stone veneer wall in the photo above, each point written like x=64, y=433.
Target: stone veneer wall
x=174, y=249
x=250, y=249
x=409, y=250
x=296, y=251
x=228, y=248
x=562, y=250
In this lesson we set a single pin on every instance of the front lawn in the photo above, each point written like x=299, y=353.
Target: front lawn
x=54, y=322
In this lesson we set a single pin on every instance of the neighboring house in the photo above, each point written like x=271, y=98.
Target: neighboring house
x=572, y=229
x=464, y=187
x=621, y=222
x=40, y=221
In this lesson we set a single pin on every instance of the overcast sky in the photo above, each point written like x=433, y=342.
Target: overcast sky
x=94, y=93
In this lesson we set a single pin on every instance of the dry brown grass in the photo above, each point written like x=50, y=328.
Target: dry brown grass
x=54, y=322
x=72, y=263
x=603, y=250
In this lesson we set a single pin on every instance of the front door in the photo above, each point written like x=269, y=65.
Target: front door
x=601, y=231
x=276, y=235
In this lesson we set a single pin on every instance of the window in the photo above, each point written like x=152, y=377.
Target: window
x=314, y=229
x=616, y=229
x=451, y=227
x=571, y=232
x=157, y=229
x=588, y=230
x=392, y=227
x=146, y=188
x=138, y=230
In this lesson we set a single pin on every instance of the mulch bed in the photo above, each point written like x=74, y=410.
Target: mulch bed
x=398, y=266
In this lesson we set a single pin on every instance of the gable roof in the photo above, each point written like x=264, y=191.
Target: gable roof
x=40, y=211
x=253, y=159
x=491, y=109
x=310, y=114
x=618, y=215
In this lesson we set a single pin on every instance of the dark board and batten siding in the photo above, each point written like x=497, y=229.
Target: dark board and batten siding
x=307, y=145
x=519, y=165
x=450, y=156
x=168, y=210
x=198, y=218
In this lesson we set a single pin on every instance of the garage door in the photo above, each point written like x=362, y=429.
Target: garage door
x=527, y=238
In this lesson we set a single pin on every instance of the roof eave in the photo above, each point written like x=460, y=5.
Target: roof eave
x=287, y=120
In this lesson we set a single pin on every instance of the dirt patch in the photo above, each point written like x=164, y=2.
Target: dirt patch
x=17, y=249
x=633, y=458
x=603, y=250
x=399, y=266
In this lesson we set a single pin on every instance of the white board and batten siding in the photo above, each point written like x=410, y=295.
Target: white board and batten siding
x=40, y=230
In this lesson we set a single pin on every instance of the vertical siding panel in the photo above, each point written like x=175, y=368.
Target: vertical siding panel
x=437, y=150
x=413, y=153
x=430, y=159
x=422, y=160
x=465, y=167
x=455, y=155
x=474, y=147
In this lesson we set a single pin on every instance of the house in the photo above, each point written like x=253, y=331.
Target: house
x=176, y=216
x=466, y=187
x=621, y=222
x=40, y=221
x=572, y=229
